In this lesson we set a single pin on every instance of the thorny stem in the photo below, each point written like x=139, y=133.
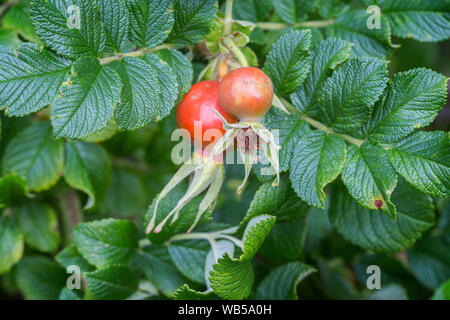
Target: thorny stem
x=321, y=126
x=136, y=53
x=228, y=17
x=229, y=43
x=281, y=26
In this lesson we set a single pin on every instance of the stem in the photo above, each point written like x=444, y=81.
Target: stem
x=228, y=17
x=211, y=237
x=281, y=26
x=71, y=213
x=144, y=243
x=189, y=236
x=229, y=43
x=237, y=242
x=318, y=125
x=229, y=230
x=136, y=53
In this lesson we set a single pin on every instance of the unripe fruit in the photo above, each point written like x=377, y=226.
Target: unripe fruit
x=199, y=105
x=246, y=93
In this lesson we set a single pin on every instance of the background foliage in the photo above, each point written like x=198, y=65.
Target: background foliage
x=85, y=148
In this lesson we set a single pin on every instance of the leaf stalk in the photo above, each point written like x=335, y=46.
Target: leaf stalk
x=137, y=53
x=318, y=125
x=274, y=26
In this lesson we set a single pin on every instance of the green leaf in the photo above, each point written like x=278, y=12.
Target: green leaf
x=336, y=280
x=352, y=27
x=87, y=99
x=115, y=20
x=280, y=201
x=373, y=230
x=317, y=160
x=186, y=293
x=369, y=177
x=412, y=100
x=9, y=128
x=70, y=256
x=347, y=97
x=325, y=57
x=193, y=20
x=393, y=272
x=233, y=278
x=149, y=92
x=181, y=67
x=156, y=263
x=332, y=8
x=29, y=78
x=119, y=201
x=423, y=159
x=112, y=283
x=151, y=21
x=252, y=10
x=12, y=190
x=259, y=37
x=40, y=278
x=39, y=225
x=104, y=134
x=51, y=20
x=429, y=261
x=255, y=232
x=290, y=129
x=18, y=19
x=288, y=62
x=67, y=294
x=288, y=235
x=88, y=169
x=106, y=242
x=251, y=57
x=9, y=39
x=221, y=248
x=390, y=292
x=140, y=90
x=189, y=257
x=443, y=292
x=281, y=283
x=11, y=239
x=318, y=227
x=35, y=156
x=292, y=11
x=427, y=21
x=167, y=82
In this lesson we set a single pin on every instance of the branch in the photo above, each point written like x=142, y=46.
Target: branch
x=70, y=213
x=210, y=236
x=137, y=53
x=318, y=125
x=281, y=26
x=228, y=17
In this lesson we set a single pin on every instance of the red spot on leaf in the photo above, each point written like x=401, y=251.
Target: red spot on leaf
x=378, y=204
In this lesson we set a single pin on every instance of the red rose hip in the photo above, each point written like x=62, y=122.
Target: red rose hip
x=246, y=93
x=199, y=105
